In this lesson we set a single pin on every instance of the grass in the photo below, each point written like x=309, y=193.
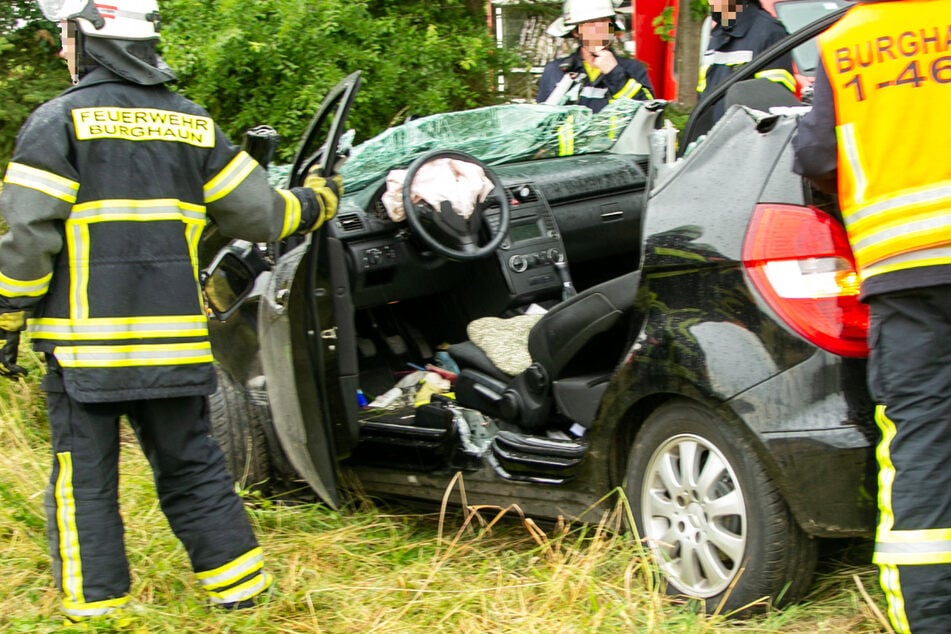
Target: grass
x=374, y=569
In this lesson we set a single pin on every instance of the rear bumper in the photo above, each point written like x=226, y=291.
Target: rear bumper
x=816, y=425
x=829, y=484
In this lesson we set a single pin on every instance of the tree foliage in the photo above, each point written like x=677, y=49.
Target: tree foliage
x=272, y=61
x=31, y=70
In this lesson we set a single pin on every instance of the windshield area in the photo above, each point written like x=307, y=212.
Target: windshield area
x=494, y=135
x=795, y=14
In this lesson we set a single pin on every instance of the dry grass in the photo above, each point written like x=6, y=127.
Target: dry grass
x=371, y=569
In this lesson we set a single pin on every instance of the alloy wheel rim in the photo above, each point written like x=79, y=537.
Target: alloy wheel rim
x=694, y=513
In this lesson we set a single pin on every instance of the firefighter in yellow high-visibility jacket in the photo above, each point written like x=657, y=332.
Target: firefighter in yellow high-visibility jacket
x=879, y=132
x=109, y=189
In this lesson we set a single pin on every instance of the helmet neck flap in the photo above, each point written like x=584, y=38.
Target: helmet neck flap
x=135, y=61
x=120, y=36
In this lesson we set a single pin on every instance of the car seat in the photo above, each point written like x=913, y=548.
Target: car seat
x=553, y=343
x=759, y=94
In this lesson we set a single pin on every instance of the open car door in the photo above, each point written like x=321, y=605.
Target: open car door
x=303, y=377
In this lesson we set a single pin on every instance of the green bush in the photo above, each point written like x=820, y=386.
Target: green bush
x=272, y=61
x=31, y=71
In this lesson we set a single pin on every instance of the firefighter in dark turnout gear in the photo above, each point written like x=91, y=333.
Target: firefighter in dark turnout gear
x=742, y=30
x=593, y=75
x=106, y=197
x=878, y=133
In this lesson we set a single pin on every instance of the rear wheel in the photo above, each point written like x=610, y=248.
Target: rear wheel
x=238, y=427
x=710, y=515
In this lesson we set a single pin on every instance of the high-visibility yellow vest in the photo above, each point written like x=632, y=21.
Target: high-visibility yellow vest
x=889, y=66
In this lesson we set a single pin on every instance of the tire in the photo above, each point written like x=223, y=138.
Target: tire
x=237, y=426
x=711, y=517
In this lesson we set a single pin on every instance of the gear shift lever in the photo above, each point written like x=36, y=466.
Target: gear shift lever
x=567, y=288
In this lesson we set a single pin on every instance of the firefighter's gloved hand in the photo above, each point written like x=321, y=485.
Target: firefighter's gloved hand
x=8, y=356
x=12, y=322
x=10, y=326
x=328, y=192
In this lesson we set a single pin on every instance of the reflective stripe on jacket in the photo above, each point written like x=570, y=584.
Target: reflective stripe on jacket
x=107, y=195
x=889, y=68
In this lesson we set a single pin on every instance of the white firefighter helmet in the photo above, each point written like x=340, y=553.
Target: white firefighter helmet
x=118, y=19
x=575, y=12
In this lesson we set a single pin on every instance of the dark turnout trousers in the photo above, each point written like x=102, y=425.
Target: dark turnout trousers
x=195, y=490
x=910, y=378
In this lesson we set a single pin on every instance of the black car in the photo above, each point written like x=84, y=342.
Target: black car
x=703, y=347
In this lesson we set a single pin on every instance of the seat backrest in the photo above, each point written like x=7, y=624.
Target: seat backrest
x=634, y=139
x=759, y=94
x=565, y=329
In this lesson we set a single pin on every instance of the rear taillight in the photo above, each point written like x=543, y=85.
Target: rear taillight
x=799, y=260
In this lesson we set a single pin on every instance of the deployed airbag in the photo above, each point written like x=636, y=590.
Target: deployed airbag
x=460, y=183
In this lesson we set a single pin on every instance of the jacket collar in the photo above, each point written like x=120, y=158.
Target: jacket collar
x=96, y=76
x=738, y=27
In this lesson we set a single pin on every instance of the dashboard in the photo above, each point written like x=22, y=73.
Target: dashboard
x=573, y=213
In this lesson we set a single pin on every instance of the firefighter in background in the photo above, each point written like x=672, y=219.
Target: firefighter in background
x=742, y=30
x=879, y=133
x=106, y=197
x=594, y=75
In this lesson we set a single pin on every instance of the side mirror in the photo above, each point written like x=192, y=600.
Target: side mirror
x=261, y=143
x=229, y=279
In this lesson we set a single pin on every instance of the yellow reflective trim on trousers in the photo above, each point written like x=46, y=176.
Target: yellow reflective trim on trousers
x=105, y=328
x=247, y=590
x=77, y=243
x=895, y=599
x=42, y=181
x=10, y=287
x=886, y=470
x=889, y=577
x=232, y=175
x=566, y=137
x=778, y=76
x=292, y=212
x=235, y=569
x=140, y=355
x=237, y=562
x=72, y=570
x=913, y=547
x=917, y=536
x=910, y=558
x=78, y=610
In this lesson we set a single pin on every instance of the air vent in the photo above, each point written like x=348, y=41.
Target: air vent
x=350, y=222
x=523, y=194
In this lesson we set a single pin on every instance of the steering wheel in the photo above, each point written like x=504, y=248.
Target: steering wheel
x=461, y=241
